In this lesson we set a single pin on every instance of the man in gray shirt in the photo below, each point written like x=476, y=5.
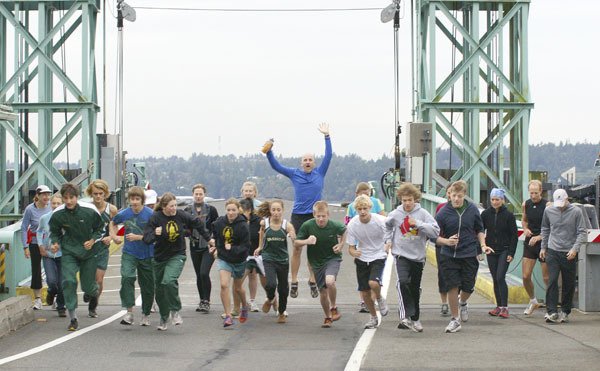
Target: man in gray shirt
x=563, y=232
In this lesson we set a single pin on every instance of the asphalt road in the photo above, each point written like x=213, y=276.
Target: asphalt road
x=259, y=344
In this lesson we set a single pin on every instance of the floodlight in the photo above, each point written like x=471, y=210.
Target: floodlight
x=388, y=13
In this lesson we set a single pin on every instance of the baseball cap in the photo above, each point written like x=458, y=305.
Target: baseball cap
x=560, y=197
x=42, y=189
x=151, y=196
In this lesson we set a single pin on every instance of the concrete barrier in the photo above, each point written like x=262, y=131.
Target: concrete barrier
x=15, y=312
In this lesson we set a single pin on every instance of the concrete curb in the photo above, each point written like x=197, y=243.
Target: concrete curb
x=15, y=313
x=485, y=286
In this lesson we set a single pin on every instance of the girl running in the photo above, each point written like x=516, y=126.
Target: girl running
x=273, y=247
x=501, y=235
x=31, y=218
x=99, y=192
x=232, y=239
x=166, y=229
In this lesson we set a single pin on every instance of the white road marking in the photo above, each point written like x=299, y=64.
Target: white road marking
x=364, y=342
x=71, y=336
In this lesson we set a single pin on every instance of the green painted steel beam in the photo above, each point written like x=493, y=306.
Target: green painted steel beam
x=490, y=40
x=56, y=106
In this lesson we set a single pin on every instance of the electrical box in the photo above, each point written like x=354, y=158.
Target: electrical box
x=419, y=137
x=108, y=145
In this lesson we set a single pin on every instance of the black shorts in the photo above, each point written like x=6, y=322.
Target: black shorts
x=459, y=272
x=371, y=271
x=331, y=268
x=532, y=252
x=299, y=219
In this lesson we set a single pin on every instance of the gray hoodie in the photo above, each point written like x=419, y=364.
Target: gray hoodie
x=563, y=230
x=410, y=245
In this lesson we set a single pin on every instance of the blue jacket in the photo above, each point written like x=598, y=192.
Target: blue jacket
x=307, y=186
x=466, y=224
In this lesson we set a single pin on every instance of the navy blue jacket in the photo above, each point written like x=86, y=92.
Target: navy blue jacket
x=467, y=225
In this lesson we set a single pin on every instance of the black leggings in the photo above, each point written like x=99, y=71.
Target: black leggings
x=202, y=261
x=36, y=266
x=277, y=277
x=498, y=268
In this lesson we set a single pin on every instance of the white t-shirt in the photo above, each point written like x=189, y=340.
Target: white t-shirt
x=370, y=237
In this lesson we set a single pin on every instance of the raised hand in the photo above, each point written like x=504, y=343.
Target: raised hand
x=324, y=128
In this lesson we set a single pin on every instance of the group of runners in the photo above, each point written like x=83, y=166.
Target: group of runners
x=251, y=240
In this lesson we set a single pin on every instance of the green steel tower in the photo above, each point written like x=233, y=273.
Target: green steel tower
x=56, y=110
x=477, y=96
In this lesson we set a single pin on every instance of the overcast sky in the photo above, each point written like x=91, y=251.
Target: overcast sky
x=223, y=82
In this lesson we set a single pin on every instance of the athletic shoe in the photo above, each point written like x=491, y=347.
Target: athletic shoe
x=373, y=322
x=127, y=319
x=464, y=312
x=335, y=314
x=282, y=318
x=228, y=321
x=49, y=298
x=383, y=308
x=503, y=313
x=92, y=307
x=363, y=308
x=62, y=312
x=86, y=298
x=244, y=315
x=531, y=307
x=563, y=317
x=417, y=326
x=145, y=320
x=176, y=318
x=253, y=306
x=267, y=306
x=200, y=307
x=73, y=325
x=37, y=304
x=453, y=326
x=495, y=312
x=207, y=306
x=445, y=311
x=154, y=308
x=404, y=324
x=54, y=306
x=294, y=290
x=327, y=323
x=285, y=313
x=203, y=307
x=162, y=326
x=552, y=318
x=314, y=290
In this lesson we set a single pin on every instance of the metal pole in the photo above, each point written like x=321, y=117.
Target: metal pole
x=396, y=88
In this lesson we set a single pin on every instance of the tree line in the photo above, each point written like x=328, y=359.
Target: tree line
x=224, y=175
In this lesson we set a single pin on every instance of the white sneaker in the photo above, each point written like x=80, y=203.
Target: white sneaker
x=176, y=318
x=533, y=305
x=417, y=326
x=145, y=320
x=54, y=305
x=37, y=304
x=563, y=317
x=373, y=322
x=464, y=312
x=453, y=326
x=127, y=319
x=405, y=324
x=383, y=308
x=253, y=306
x=162, y=326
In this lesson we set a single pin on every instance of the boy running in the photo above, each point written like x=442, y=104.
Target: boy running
x=324, y=240
x=409, y=227
x=368, y=230
x=74, y=229
x=136, y=256
x=461, y=230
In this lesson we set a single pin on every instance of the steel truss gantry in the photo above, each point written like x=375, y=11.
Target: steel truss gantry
x=478, y=99
x=31, y=62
